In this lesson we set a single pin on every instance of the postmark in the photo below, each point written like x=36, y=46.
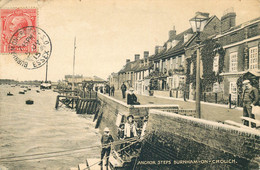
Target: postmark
x=13, y=20
x=30, y=47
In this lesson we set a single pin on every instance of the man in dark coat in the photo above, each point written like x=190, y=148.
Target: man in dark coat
x=250, y=99
x=131, y=97
x=106, y=142
x=112, y=89
x=123, y=88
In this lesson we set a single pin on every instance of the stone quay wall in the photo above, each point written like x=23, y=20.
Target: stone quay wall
x=180, y=142
x=113, y=107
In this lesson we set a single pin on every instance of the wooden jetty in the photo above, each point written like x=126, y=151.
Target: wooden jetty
x=88, y=105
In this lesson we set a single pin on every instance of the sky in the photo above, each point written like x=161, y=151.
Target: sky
x=110, y=31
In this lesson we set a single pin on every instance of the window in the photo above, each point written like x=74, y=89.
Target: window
x=253, y=58
x=191, y=68
x=176, y=62
x=216, y=87
x=233, y=37
x=233, y=90
x=215, y=63
x=253, y=31
x=233, y=62
x=171, y=63
x=182, y=60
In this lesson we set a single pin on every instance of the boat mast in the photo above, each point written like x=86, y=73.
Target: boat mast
x=73, y=77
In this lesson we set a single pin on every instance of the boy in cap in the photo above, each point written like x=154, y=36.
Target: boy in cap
x=121, y=136
x=106, y=141
x=250, y=99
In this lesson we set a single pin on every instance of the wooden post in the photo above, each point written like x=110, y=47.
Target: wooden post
x=82, y=108
x=57, y=102
x=79, y=106
x=86, y=106
x=204, y=97
x=216, y=97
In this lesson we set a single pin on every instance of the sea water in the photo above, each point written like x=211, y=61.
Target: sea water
x=41, y=129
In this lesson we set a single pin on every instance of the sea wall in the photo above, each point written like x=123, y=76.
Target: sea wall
x=179, y=142
x=111, y=108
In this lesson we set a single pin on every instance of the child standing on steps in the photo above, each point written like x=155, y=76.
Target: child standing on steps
x=106, y=142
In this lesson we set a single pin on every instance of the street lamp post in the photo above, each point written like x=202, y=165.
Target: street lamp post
x=197, y=24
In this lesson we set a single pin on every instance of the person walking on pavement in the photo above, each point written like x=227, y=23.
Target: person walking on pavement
x=123, y=89
x=112, y=90
x=106, y=142
x=250, y=99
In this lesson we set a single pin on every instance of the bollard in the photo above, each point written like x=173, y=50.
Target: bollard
x=204, y=97
x=216, y=97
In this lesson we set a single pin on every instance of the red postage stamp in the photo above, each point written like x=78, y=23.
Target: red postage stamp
x=13, y=20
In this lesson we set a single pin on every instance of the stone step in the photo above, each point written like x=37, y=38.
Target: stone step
x=257, y=122
x=82, y=167
x=74, y=168
x=230, y=122
x=93, y=164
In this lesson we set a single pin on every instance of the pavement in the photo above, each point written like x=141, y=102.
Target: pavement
x=209, y=111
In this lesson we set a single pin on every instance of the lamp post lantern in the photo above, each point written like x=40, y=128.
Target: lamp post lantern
x=197, y=24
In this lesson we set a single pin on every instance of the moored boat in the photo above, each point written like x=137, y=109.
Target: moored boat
x=9, y=94
x=29, y=102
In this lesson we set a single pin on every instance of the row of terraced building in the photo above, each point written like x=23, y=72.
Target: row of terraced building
x=229, y=54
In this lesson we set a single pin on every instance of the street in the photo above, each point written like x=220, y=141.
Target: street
x=209, y=111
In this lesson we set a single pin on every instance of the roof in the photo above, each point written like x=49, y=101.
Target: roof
x=131, y=66
x=144, y=67
x=254, y=72
x=241, y=26
x=96, y=78
x=179, y=47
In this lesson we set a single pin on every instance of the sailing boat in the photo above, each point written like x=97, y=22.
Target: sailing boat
x=46, y=84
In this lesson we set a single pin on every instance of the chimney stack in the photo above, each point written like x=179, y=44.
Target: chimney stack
x=146, y=54
x=172, y=33
x=228, y=20
x=137, y=57
x=127, y=61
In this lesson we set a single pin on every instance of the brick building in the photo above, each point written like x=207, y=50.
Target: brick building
x=171, y=70
x=172, y=60
x=241, y=44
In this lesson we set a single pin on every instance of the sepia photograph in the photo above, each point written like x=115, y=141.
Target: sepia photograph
x=129, y=84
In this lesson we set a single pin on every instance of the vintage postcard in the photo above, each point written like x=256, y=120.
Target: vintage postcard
x=140, y=85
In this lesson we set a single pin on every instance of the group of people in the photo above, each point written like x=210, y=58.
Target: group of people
x=126, y=132
x=110, y=90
